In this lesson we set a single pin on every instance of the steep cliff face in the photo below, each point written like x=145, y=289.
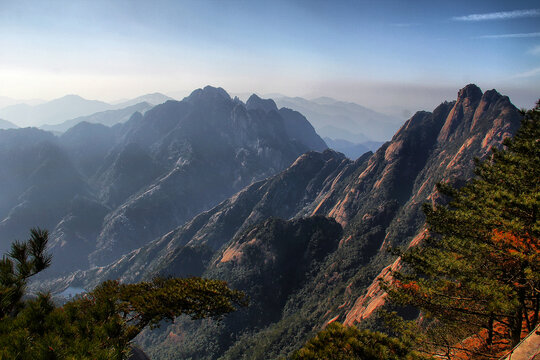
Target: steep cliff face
x=476, y=123
x=38, y=181
x=387, y=179
x=376, y=200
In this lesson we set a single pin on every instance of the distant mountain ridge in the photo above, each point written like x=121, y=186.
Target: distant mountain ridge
x=153, y=99
x=331, y=118
x=343, y=120
x=252, y=238
x=7, y=101
x=107, y=117
x=52, y=112
x=68, y=107
x=4, y=124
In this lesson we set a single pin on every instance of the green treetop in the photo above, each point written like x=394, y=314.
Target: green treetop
x=101, y=323
x=24, y=260
x=338, y=342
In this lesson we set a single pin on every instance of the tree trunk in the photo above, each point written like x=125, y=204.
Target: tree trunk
x=518, y=319
x=527, y=320
x=536, y=305
x=490, y=330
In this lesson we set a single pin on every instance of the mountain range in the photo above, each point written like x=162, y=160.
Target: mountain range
x=107, y=117
x=343, y=120
x=103, y=191
x=68, y=107
x=307, y=244
x=7, y=101
x=347, y=127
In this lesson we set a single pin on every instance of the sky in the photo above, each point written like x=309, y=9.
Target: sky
x=388, y=55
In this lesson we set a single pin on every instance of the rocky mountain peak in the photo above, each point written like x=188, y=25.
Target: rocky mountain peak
x=209, y=93
x=255, y=102
x=474, y=111
x=70, y=97
x=493, y=96
x=471, y=92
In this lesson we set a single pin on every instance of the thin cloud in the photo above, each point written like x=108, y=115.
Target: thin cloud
x=502, y=15
x=535, y=50
x=510, y=36
x=531, y=73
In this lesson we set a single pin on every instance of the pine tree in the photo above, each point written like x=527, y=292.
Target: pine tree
x=23, y=261
x=99, y=324
x=338, y=342
x=479, y=268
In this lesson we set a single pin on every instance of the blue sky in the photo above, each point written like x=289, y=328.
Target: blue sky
x=382, y=54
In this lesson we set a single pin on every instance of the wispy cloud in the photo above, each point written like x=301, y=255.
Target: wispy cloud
x=509, y=36
x=527, y=74
x=502, y=15
x=535, y=50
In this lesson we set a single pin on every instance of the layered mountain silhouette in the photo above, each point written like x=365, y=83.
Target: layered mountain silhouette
x=4, y=124
x=153, y=98
x=103, y=191
x=107, y=117
x=308, y=243
x=343, y=120
x=52, y=112
x=62, y=113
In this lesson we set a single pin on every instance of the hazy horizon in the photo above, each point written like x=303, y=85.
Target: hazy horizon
x=390, y=56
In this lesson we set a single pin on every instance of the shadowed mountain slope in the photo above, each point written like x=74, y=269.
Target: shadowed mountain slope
x=103, y=191
x=38, y=182
x=209, y=146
